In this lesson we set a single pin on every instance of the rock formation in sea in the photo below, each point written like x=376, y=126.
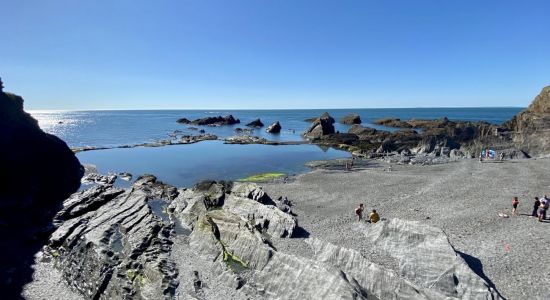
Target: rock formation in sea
x=221, y=240
x=211, y=121
x=320, y=127
x=256, y=123
x=37, y=172
x=531, y=127
x=350, y=119
x=275, y=127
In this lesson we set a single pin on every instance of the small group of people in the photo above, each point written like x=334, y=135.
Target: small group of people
x=373, y=216
x=540, y=207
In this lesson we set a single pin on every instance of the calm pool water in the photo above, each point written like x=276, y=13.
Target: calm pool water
x=184, y=165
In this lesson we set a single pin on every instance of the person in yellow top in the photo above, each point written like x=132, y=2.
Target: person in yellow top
x=374, y=217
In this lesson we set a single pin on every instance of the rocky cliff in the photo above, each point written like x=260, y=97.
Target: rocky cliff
x=37, y=172
x=531, y=127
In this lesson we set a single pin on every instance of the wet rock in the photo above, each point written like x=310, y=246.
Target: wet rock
x=320, y=127
x=351, y=119
x=275, y=127
x=256, y=123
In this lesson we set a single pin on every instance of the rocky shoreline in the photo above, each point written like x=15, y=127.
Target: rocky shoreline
x=223, y=239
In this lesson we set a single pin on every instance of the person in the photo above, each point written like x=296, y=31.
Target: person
x=374, y=216
x=515, y=203
x=359, y=212
x=543, y=208
x=501, y=158
x=536, y=207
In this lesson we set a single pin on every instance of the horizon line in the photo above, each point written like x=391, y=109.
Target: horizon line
x=265, y=109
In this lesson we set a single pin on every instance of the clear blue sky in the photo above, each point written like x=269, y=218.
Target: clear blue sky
x=116, y=54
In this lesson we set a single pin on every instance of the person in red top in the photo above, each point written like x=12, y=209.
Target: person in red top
x=515, y=203
x=359, y=212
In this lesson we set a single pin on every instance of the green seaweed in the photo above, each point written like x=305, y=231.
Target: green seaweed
x=262, y=177
x=235, y=263
x=136, y=277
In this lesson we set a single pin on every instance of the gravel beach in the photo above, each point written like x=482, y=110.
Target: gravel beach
x=463, y=198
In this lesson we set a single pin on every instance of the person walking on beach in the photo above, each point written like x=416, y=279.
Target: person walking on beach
x=374, y=216
x=359, y=212
x=515, y=203
x=535, y=207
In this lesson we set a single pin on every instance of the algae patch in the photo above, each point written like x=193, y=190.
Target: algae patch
x=262, y=177
x=234, y=263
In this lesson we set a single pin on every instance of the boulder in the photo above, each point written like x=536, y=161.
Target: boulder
x=426, y=259
x=99, y=179
x=256, y=123
x=456, y=153
x=321, y=126
x=251, y=191
x=231, y=241
x=351, y=119
x=38, y=171
x=267, y=218
x=275, y=127
x=444, y=151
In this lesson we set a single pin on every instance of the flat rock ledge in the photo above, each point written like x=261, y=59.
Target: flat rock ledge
x=220, y=239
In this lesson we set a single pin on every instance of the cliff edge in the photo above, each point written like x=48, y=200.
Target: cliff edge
x=531, y=127
x=38, y=171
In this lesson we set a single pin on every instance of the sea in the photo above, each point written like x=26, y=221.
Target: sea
x=184, y=165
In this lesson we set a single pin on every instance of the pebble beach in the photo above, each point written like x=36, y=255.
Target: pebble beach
x=463, y=198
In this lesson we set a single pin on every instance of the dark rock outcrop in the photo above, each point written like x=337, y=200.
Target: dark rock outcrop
x=185, y=121
x=351, y=119
x=38, y=171
x=393, y=122
x=211, y=121
x=275, y=127
x=531, y=127
x=320, y=127
x=256, y=123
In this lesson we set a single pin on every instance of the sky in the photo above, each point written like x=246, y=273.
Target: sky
x=128, y=54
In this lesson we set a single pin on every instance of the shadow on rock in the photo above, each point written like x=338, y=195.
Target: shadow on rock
x=300, y=232
x=476, y=266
